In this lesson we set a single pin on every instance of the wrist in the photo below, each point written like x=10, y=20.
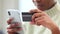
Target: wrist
x=55, y=29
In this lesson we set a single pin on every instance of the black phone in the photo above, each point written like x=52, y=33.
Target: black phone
x=26, y=16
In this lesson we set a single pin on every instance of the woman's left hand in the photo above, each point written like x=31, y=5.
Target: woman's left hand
x=41, y=18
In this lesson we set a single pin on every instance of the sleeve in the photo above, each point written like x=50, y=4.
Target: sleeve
x=1, y=32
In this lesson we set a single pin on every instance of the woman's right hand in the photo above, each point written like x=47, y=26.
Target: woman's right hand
x=12, y=28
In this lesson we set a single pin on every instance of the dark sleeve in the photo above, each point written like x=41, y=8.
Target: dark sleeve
x=1, y=32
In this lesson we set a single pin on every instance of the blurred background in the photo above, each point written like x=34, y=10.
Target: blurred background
x=22, y=5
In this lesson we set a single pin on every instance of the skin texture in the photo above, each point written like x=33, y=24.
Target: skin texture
x=39, y=17
x=43, y=4
x=12, y=29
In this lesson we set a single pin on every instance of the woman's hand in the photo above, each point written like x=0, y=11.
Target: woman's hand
x=41, y=18
x=13, y=29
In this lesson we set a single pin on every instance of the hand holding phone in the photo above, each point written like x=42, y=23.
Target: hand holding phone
x=16, y=18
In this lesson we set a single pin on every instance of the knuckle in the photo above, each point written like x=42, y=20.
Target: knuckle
x=36, y=19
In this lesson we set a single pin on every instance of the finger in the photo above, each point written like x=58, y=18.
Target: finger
x=36, y=15
x=35, y=11
x=10, y=30
x=14, y=29
x=9, y=21
x=39, y=18
x=11, y=26
x=32, y=22
x=15, y=25
x=39, y=22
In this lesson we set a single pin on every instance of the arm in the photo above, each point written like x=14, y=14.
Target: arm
x=59, y=30
x=55, y=30
x=41, y=18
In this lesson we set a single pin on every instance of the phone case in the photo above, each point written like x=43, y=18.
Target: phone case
x=16, y=18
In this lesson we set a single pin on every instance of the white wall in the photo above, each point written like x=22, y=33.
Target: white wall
x=59, y=1
x=0, y=14
x=4, y=5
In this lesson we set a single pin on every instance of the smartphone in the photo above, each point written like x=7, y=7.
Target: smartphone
x=26, y=16
x=16, y=18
